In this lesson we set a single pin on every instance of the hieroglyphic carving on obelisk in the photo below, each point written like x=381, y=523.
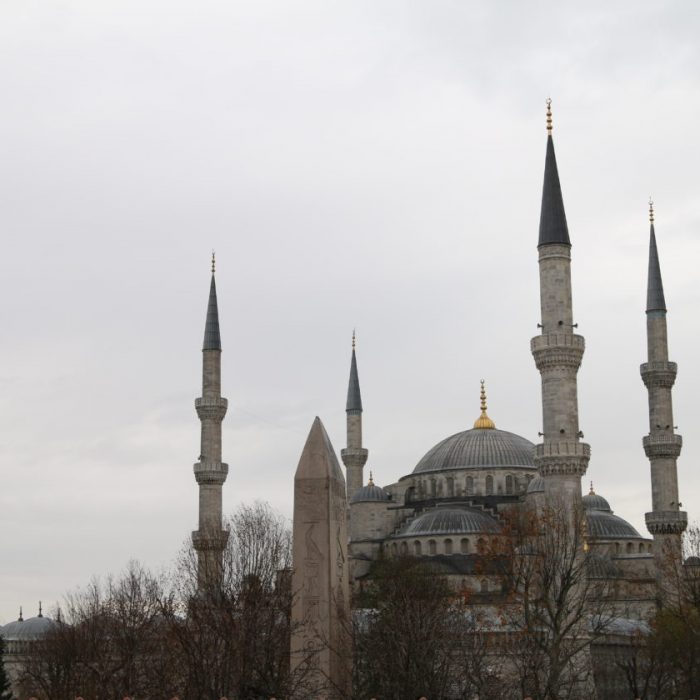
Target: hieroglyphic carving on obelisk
x=320, y=642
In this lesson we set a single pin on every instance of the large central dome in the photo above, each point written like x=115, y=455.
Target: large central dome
x=479, y=448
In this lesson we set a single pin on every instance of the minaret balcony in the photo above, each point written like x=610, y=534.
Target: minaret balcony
x=562, y=457
x=666, y=522
x=662, y=445
x=211, y=408
x=210, y=472
x=354, y=456
x=557, y=350
x=659, y=374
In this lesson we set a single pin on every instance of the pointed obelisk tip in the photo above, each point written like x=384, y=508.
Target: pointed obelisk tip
x=549, y=116
x=318, y=458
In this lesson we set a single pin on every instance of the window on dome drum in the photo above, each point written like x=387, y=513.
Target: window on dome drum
x=509, y=484
x=433, y=488
x=394, y=549
x=489, y=485
x=404, y=549
x=450, y=487
x=448, y=546
x=629, y=548
x=432, y=547
x=416, y=548
x=641, y=547
x=464, y=545
x=410, y=494
x=470, y=485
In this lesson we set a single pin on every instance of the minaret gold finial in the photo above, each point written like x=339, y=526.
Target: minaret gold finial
x=549, y=116
x=213, y=262
x=371, y=480
x=483, y=421
x=353, y=338
x=651, y=210
x=591, y=492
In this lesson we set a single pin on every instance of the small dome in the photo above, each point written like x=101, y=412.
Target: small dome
x=692, y=561
x=536, y=485
x=371, y=492
x=26, y=630
x=450, y=521
x=479, y=448
x=603, y=525
x=592, y=501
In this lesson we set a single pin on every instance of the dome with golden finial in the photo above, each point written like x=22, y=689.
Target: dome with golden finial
x=483, y=422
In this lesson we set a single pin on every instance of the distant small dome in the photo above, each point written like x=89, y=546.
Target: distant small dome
x=536, y=485
x=26, y=630
x=371, y=492
x=692, y=561
x=592, y=501
x=450, y=521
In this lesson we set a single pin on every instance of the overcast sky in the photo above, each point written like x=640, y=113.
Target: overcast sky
x=375, y=165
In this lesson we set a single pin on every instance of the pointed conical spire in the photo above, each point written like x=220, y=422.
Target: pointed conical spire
x=553, y=228
x=655, y=287
x=212, y=337
x=354, y=402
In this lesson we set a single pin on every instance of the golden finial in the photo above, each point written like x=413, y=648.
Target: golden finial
x=549, y=116
x=371, y=480
x=591, y=492
x=353, y=338
x=483, y=421
x=213, y=262
x=651, y=210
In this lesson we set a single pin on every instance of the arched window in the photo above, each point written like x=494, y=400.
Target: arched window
x=450, y=487
x=464, y=545
x=641, y=548
x=481, y=545
x=617, y=547
x=416, y=548
x=410, y=494
x=489, y=485
x=433, y=488
x=394, y=549
x=448, y=546
x=404, y=549
x=509, y=484
x=629, y=548
x=432, y=547
x=470, y=485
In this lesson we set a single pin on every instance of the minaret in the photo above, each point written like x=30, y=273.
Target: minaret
x=210, y=539
x=666, y=521
x=561, y=458
x=354, y=456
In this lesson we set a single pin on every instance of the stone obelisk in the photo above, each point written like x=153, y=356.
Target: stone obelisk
x=320, y=644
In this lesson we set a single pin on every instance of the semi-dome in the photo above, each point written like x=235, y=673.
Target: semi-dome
x=479, y=448
x=536, y=485
x=450, y=521
x=369, y=493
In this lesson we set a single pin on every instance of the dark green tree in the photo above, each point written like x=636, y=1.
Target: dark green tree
x=5, y=693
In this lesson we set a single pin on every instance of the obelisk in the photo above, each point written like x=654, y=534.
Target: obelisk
x=320, y=642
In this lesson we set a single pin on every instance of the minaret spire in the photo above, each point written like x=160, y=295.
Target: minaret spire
x=210, y=472
x=561, y=458
x=354, y=456
x=666, y=521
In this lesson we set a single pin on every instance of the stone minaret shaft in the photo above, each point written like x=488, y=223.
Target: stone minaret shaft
x=666, y=521
x=354, y=456
x=210, y=539
x=561, y=458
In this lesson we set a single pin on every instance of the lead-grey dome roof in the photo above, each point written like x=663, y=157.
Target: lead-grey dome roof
x=593, y=501
x=536, y=485
x=450, y=521
x=26, y=630
x=371, y=492
x=479, y=448
x=604, y=525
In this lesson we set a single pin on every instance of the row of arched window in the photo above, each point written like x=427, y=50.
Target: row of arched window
x=631, y=548
x=448, y=487
x=431, y=547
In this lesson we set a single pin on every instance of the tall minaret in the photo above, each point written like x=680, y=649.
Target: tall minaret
x=210, y=539
x=561, y=458
x=354, y=456
x=666, y=521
